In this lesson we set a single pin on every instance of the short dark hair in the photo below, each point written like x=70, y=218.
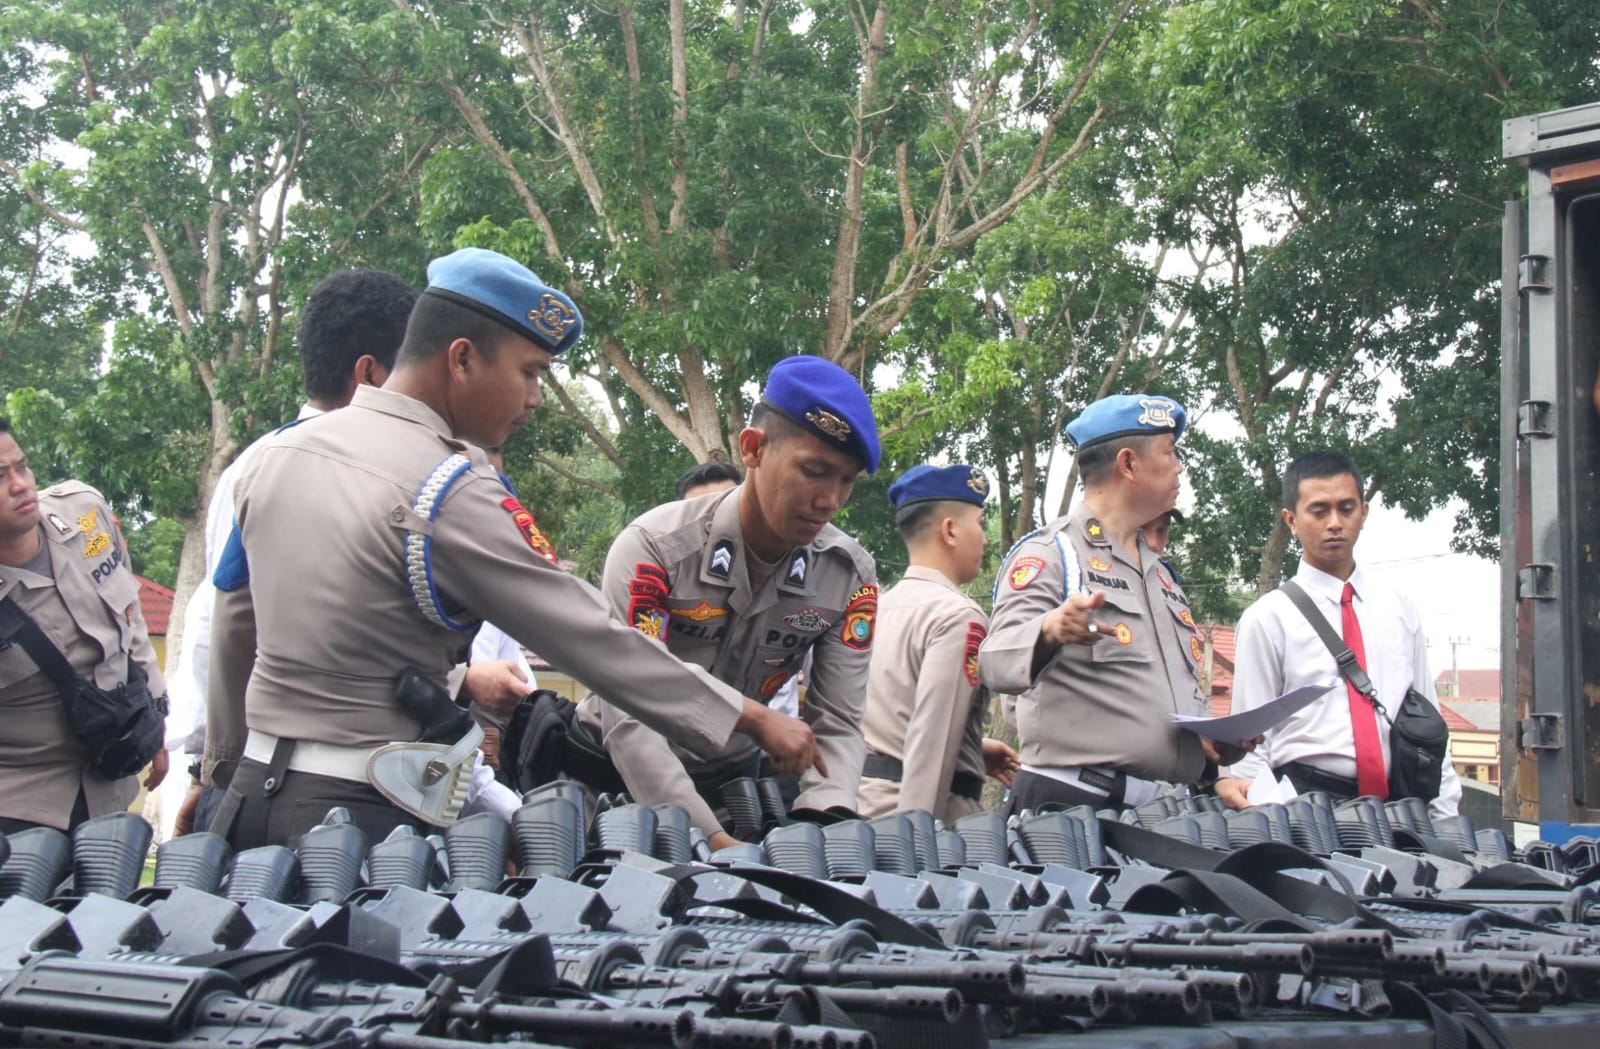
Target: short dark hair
x=436, y=322
x=914, y=521
x=349, y=314
x=5, y=424
x=1324, y=463
x=775, y=424
x=1095, y=462
x=708, y=473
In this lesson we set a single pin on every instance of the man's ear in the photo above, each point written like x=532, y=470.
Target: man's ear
x=947, y=531
x=459, y=357
x=1126, y=459
x=751, y=444
x=1288, y=519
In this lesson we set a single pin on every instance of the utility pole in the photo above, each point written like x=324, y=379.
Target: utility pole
x=1455, y=671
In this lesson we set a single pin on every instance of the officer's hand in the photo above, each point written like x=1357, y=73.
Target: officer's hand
x=1073, y=621
x=721, y=840
x=788, y=741
x=1235, y=793
x=1000, y=761
x=497, y=686
x=184, y=824
x=1225, y=753
x=158, y=770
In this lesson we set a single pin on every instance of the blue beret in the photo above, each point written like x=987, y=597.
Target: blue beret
x=506, y=291
x=1127, y=415
x=923, y=484
x=826, y=401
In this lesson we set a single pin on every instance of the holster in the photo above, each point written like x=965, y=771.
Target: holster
x=428, y=780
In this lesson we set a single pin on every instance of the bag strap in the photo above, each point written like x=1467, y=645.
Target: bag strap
x=1349, y=665
x=17, y=624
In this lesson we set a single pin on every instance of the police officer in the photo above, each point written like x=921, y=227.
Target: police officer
x=64, y=564
x=925, y=706
x=376, y=538
x=745, y=583
x=1092, y=632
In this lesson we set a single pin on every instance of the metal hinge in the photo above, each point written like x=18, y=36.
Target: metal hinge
x=1536, y=581
x=1541, y=732
x=1533, y=273
x=1535, y=419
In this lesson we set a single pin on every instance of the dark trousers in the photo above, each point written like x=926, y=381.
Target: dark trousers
x=206, y=810
x=249, y=818
x=1032, y=791
x=80, y=812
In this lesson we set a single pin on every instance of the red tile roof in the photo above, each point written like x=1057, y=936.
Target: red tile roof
x=1455, y=721
x=155, y=601
x=1222, y=642
x=1483, y=712
x=1473, y=683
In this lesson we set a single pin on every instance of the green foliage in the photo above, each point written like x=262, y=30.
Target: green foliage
x=153, y=547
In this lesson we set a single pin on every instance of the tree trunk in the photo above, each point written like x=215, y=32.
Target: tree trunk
x=1272, y=554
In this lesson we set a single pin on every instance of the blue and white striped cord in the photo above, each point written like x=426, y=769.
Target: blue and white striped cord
x=419, y=546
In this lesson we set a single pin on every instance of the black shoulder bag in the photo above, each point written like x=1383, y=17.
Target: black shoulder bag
x=122, y=728
x=1418, y=736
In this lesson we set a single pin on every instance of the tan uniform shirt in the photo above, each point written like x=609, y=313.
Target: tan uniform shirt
x=89, y=607
x=1108, y=705
x=678, y=574
x=328, y=617
x=925, y=705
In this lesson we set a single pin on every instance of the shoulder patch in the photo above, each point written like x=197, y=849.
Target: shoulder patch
x=1024, y=570
x=647, y=600
x=856, y=632
x=976, y=632
x=529, y=528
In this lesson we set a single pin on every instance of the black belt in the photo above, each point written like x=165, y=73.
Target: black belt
x=1307, y=777
x=881, y=766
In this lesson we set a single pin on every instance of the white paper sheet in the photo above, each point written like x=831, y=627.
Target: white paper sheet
x=1248, y=724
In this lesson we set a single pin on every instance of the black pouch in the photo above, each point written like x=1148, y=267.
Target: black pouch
x=1418, y=737
x=533, y=747
x=122, y=728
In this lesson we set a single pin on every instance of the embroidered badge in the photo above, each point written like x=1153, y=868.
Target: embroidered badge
x=1024, y=570
x=721, y=563
x=700, y=613
x=651, y=622
x=1196, y=648
x=647, y=603
x=1166, y=580
x=529, y=528
x=1096, y=532
x=978, y=482
x=976, y=632
x=552, y=318
x=59, y=525
x=1124, y=634
x=774, y=682
x=807, y=619
x=1099, y=564
x=797, y=571
x=1186, y=618
x=856, y=632
x=98, y=544
x=87, y=522
x=1157, y=412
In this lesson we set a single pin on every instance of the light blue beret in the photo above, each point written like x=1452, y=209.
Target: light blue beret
x=506, y=291
x=1127, y=415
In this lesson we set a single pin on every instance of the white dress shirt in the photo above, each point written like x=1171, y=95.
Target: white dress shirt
x=491, y=644
x=1278, y=650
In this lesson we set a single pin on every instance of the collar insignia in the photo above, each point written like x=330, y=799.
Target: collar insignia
x=59, y=525
x=722, y=558
x=829, y=424
x=797, y=571
x=1096, y=532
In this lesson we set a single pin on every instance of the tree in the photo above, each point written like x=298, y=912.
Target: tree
x=1339, y=159
x=173, y=138
x=721, y=186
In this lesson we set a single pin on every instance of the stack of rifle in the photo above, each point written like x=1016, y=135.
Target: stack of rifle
x=584, y=923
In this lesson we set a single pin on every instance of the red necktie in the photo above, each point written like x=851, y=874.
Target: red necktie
x=1370, y=777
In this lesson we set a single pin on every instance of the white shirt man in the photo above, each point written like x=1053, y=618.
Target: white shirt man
x=1278, y=649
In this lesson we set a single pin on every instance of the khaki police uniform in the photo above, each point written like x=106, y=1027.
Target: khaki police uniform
x=679, y=575
x=925, y=705
x=309, y=649
x=88, y=606
x=1105, y=707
